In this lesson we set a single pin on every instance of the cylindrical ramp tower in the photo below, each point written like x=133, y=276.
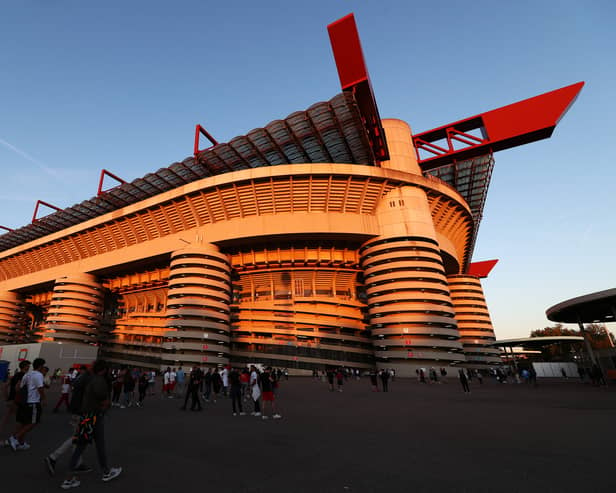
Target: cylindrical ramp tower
x=12, y=316
x=474, y=321
x=410, y=311
x=75, y=309
x=198, y=307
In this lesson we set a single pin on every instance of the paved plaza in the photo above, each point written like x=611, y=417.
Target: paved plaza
x=557, y=437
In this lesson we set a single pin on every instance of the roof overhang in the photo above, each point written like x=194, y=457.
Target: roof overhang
x=537, y=342
x=590, y=308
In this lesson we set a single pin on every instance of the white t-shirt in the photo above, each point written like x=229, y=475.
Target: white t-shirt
x=166, y=377
x=225, y=377
x=172, y=377
x=254, y=380
x=34, y=380
x=66, y=388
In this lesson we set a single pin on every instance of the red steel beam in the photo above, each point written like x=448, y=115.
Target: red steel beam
x=510, y=126
x=353, y=75
x=36, y=208
x=7, y=229
x=199, y=130
x=481, y=269
x=104, y=173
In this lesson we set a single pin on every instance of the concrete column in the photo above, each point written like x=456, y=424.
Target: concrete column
x=198, y=312
x=474, y=322
x=400, y=144
x=75, y=309
x=410, y=309
x=12, y=316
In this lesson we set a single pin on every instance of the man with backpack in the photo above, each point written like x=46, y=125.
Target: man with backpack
x=91, y=425
x=79, y=385
x=29, y=409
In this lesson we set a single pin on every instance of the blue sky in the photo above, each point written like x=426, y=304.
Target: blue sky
x=120, y=85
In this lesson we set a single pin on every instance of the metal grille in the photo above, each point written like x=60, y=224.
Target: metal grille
x=471, y=178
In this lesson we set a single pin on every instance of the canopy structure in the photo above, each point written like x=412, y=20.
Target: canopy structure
x=591, y=308
x=535, y=342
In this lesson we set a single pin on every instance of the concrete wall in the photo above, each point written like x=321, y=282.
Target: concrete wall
x=55, y=355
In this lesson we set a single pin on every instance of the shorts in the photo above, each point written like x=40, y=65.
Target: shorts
x=29, y=414
x=267, y=396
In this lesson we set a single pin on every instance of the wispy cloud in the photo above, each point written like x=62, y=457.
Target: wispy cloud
x=25, y=155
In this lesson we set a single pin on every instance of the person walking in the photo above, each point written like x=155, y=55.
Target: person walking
x=224, y=375
x=11, y=392
x=464, y=381
x=330, y=379
x=66, y=389
x=385, y=380
x=255, y=390
x=194, y=383
x=374, y=381
x=79, y=385
x=267, y=388
x=340, y=379
x=245, y=382
x=143, y=384
x=216, y=384
x=128, y=387
x=207, y=385
x=180, y=381
x=92, y=426
x=235, y=386
x=29, y=410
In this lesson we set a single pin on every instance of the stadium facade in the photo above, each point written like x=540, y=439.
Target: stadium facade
x=326, y=238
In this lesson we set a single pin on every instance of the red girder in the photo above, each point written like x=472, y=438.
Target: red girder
x=199, y=130
x=513, y=125
x=38, y=204
x=481, y=269
x=353, y=75
x=104, y=173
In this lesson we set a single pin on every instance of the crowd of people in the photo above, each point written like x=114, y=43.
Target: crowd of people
x=88, y=393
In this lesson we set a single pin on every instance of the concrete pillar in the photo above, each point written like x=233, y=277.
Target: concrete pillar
x=75, y=309
x=410, y=309
x=198, y=312
x=474, y=322
x=12, y=317
x=400, y=144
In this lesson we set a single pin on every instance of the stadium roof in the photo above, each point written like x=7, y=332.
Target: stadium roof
x=327, y=132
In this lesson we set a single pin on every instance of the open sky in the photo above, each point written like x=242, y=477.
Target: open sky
x=120, y=85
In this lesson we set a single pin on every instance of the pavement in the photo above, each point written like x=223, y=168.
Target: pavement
x=557, y=437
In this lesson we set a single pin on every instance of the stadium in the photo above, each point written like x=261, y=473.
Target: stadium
x=329, y=238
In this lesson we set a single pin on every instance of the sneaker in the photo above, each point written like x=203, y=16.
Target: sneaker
x=264, y=417
x=13, y=443
x=23, y=446
x=122, y=407
x=114, y=472
x=242, y=414
x=51, y=465
x=70, y=483
x=234, y=414
x=82, y=468
x=257, y=414
x=276, y=416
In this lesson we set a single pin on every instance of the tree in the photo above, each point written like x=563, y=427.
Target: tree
x=597, y=334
